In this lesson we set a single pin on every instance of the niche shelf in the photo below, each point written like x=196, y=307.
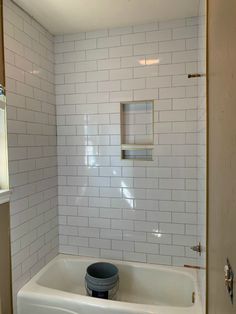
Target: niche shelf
x=136, y=129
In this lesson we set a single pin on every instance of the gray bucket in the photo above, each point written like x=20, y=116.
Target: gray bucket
x=102, y=280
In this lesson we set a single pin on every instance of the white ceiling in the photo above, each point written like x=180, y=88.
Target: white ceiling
x=70, y=16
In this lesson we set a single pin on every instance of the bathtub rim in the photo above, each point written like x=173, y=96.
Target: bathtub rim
x=33, y=290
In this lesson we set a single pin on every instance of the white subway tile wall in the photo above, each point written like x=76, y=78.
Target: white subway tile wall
x=132, y=210
x=31, y=113
x=64, y=97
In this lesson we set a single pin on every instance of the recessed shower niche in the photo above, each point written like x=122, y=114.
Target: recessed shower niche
x=136, y=123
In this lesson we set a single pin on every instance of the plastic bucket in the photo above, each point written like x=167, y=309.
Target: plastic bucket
x=102, y=280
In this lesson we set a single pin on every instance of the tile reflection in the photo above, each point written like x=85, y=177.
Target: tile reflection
x=127, y=195
x=156, y=233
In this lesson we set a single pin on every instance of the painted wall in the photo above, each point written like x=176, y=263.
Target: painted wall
x=133, y=210
x=5, y=262
x=32, y=143
x=222, y=152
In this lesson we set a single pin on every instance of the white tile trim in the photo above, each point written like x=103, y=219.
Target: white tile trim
x=5, y=196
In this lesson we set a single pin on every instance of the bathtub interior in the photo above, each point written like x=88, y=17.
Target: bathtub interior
x=138, y=284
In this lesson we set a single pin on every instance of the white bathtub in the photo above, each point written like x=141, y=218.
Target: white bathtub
x=144, y=289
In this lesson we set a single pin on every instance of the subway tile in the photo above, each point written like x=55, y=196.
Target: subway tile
x=105, y=42
x=157, y=82
x=110, y=213
x=74, y=56
x=121, y=74
x=182, y=80
x=134, y=235
x=64, y=46
x=97, y=76
x=70, y=37
x=150, y=248
x=100, y=243
x=134, y=214
x=111, y=234
x=172, y=45
x=146, y=226
x=87, y=251
x=141, y=94
x=185, y=56
x=187, y=150
x=109, y=86
x=161, y=35
x=172, y=115
x=179, y=261
x=88, y=211
x=145, y=27
x=172, y=250
x=78, y=241
x=158, y=237
x=184, y=195
x=185, y=126
x=184, y=218
x=85, y=44
x=99, y=181
x=97, y=54
x=135, y=257
x=184, y=172
x=110, y=192
x=111, y=254
x=132, y=39
x=172, y=138
x=74, y=78
x=124, y=95
x=99, y=222
x=145, y=182
x=158, y=216
x=122, y=245
x=122, y=224
x=172, y=69
x=159, y=259
x=84, y=66
x=108, y=64
x=90, y=87
x=158, y=194
x=97, y=33
x=88, y=232
x=108, y=207
x=171, y=228
x=146, y=71
x=96, y=98
x=122, y=203
x=172, y=184
x=145, y=49
x=133, y=84
x=64, y=68
x=183, y=240
x=120, y=31
x=99, y=202
x=39, y=130
x=122, y=51
x=185, y=32
x=159, y=172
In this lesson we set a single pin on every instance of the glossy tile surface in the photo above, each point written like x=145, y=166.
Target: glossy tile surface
x=132, y=210
x=31, y=114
